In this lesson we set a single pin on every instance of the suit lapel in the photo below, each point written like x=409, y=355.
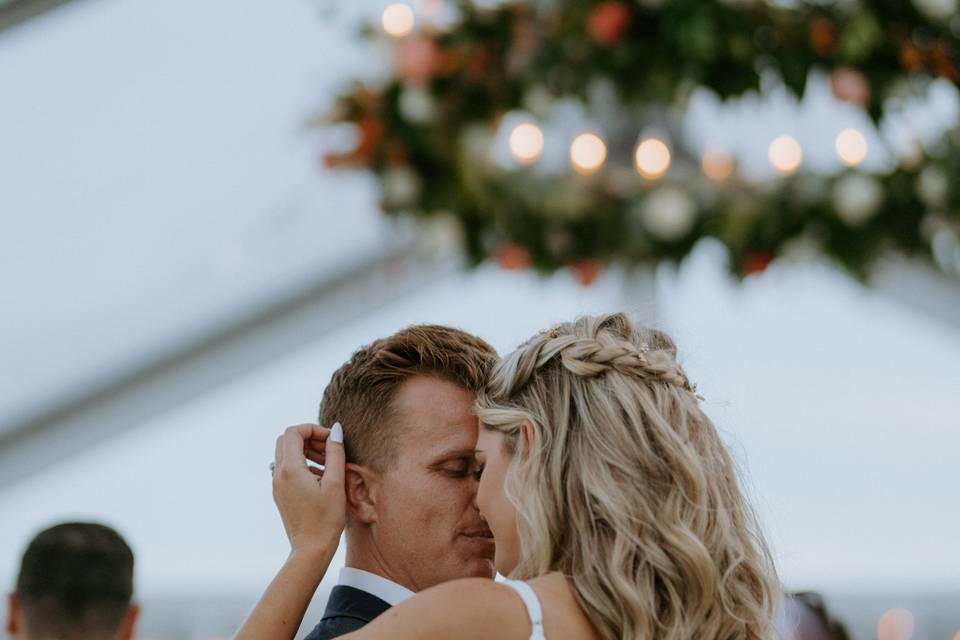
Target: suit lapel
x=348, y=602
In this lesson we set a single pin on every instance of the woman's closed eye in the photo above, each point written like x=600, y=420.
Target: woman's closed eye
x=478, y=472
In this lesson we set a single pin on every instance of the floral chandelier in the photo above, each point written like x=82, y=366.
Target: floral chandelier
x=551, y=133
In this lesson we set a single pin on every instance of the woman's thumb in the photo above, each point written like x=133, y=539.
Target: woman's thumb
x=335, y=461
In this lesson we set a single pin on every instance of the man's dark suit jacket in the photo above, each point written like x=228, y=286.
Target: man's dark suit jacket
x=347, y=610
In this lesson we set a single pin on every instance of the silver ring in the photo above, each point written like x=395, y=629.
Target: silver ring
x=273, y=466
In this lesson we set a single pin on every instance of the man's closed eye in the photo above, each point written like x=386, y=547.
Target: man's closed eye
x=460, y=468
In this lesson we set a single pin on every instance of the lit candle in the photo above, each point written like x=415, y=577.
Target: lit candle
x=652, y=158
x=526, y=143
x=588, y=153
x=398, y=20
x=785, y=155
x=851, y=147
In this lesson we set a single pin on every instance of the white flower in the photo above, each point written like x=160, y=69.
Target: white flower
x=442, y=231
x=475, y=143
x=400, y=187
x=416, y=105
x=856, y=198
x=539, y=101
x=802, y=248
x=668, y=213
x=937, y=9
x=932, y=187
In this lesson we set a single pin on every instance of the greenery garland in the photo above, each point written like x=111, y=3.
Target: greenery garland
x=428, y=130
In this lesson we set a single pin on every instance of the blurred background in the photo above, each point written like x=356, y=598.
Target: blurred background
x=181, y=273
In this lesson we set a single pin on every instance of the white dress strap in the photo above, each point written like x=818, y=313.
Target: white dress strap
x=532, y=604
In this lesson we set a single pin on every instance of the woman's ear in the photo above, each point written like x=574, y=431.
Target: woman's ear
x=362, y=486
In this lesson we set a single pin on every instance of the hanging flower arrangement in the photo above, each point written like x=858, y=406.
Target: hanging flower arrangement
x=551, y=132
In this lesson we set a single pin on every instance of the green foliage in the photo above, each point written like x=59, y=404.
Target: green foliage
x=497, y=60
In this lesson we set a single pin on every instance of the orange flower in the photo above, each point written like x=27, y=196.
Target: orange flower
x=823, y=36
x=756, y=262
x=942, y=64
x=586, y=271
x=513, y=256
x=478, y=64
x=371, y=132
x=910, y=58
x=850, y=85
x=607, y=22
x=418, y=60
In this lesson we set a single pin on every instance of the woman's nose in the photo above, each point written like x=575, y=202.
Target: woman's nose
x=476, y=493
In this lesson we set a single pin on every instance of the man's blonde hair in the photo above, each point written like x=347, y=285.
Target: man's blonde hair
x=360, y=394
x=627, y=488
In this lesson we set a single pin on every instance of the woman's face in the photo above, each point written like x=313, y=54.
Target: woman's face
x=495, y=508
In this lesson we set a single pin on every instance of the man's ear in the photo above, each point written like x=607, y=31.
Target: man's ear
x=128, y=625
x=14, y=615
x=363, y=487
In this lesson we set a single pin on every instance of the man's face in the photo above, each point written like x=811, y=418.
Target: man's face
x=428, y=529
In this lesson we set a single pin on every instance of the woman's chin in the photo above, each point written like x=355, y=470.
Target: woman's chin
x=481, y=568
x=504, y=566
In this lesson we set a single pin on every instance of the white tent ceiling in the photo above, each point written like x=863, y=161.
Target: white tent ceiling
x=157, y=181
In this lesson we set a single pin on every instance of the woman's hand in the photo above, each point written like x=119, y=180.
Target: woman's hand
x=311, y=501
x=312, y=505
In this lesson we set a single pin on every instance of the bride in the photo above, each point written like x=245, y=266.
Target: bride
x=616, y=508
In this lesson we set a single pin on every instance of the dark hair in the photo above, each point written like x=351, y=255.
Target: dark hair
x=361, y=392
x=76, y=580
x=807, y=618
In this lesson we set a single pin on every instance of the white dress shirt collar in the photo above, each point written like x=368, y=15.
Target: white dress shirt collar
x=387, y=590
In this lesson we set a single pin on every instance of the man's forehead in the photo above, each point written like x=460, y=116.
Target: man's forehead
x=434, y=415
x=436, y=438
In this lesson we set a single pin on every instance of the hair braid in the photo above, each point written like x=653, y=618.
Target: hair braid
x=596, y=355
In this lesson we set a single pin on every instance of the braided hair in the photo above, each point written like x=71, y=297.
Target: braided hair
x=625, y=486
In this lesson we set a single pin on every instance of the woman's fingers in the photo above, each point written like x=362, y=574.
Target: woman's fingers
x=315, y=445
x=317, y=471
x=300, y=443
x=278, y=452
x=314, y=449
x=292, y=444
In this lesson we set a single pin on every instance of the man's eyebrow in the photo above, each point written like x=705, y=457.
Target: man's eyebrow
x=461, y=452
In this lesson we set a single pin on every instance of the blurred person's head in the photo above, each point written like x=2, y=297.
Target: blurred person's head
x=804, y=616
x=406, y=406
x=75, y=581
x=599, y=463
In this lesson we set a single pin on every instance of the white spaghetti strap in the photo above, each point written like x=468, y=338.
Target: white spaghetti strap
x=532, y=604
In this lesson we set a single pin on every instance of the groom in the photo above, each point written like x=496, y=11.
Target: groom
x=406, y=406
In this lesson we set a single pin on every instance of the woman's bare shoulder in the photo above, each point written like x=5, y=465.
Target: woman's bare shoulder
x=468, y=608
x=563, y=616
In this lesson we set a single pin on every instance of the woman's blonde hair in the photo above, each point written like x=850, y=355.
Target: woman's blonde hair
x=627, y=488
